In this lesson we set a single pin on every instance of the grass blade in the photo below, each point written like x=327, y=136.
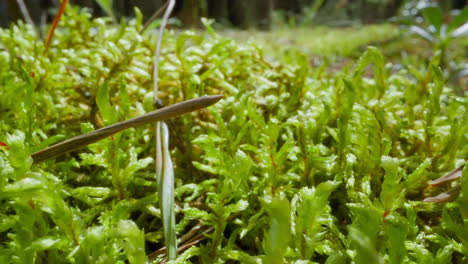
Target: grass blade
x=165, y=174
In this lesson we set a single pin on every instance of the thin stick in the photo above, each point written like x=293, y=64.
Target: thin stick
x=24, y=12
x=162, y=252
x=153, y=17
x=55, y=24
x=445, y=197
x=451, y=176
x=158, y=49
x=81, y=141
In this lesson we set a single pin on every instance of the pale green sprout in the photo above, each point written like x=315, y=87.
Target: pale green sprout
x=164, y=168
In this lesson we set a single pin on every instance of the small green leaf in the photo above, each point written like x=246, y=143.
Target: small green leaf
x=47, y=243
x=106, y=5
x=193, y=213
x=366, y=218
x=311, y=211
x=241, y=205
x=165, y=177
x=462, y=31
x=397, y=230
x=434, y=16
x=103, y=102
x=277, y=239
x=124, y=98
x=422, y=33
x=463, y=198
x=460, y=20
x=23, y=186
x=391, y=194
x=91, y=195
x=365, y=247
x=133, y=241
x=419, y=177
x=18, y=151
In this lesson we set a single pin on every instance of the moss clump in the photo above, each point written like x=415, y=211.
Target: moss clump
x=295, y=164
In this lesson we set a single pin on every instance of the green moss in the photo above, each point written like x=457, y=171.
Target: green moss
x=319, y=40
x=295, y=164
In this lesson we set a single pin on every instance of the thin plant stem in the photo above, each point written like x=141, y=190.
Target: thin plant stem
x=25, y=12
x=164, y=168
x=153, y=17
x=81, y=141
x=158, y=49
x=54, y=25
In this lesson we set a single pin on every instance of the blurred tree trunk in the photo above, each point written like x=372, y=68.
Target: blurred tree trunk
x=241, y=14
x=334, y=13
x=189, y=14
x=371, y=12
x=392, y=8
x=126, y=7
x=3, y=14
x=460, y=4
x=247, y=13
x=219, y=11
x=84, y=3
x=14, y=12
x=90, y=4
x=121, y=8
x=147, y=8
x=263, y=9
x=290, y=6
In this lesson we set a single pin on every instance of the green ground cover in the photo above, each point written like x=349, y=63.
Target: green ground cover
x=297, y=164
x=319, y=40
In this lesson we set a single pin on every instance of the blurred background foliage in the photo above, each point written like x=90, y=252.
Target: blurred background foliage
x=244, y=14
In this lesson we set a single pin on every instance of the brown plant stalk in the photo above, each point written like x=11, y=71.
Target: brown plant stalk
x=54, y=25
x=81, y=141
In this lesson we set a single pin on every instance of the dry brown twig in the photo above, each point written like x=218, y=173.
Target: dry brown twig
x=81, y=141
x=452, y=193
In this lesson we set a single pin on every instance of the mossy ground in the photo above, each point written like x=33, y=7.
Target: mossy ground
x=302, y=162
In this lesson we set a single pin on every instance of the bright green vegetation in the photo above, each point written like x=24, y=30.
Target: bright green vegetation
x=322, y=41
x=298, y=164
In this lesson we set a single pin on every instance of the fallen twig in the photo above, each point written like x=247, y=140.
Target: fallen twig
x=81, y=141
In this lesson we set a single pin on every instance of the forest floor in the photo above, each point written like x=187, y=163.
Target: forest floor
x=335, y=48
x=320, y=151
